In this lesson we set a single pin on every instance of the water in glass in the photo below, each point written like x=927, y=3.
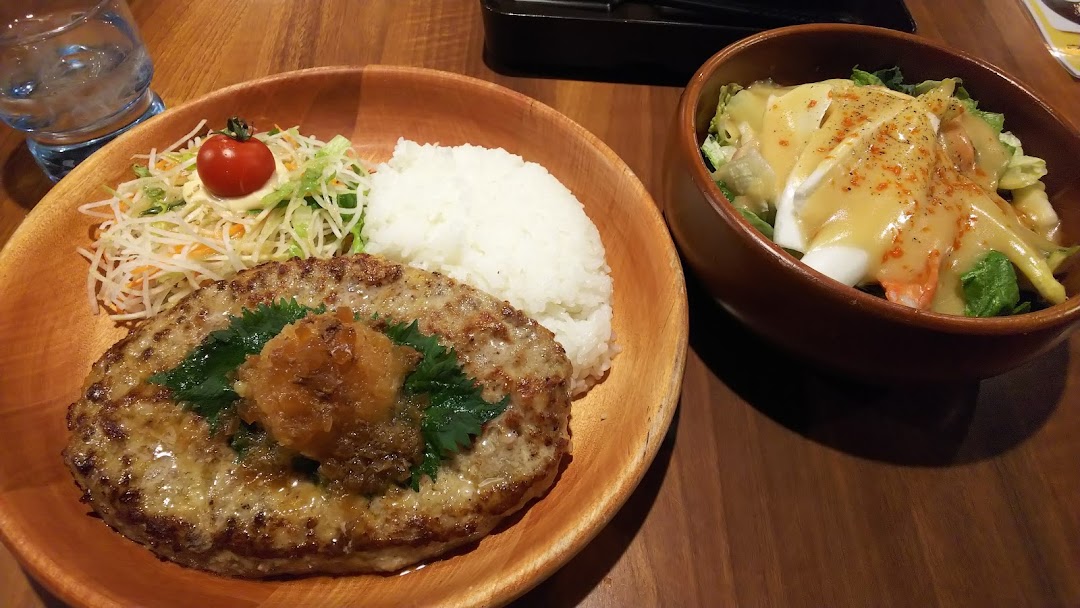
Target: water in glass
x=72, y=79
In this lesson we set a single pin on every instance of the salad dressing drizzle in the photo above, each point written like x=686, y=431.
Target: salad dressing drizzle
x=873, y=185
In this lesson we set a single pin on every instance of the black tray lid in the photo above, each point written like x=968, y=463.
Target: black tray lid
x=651, y=42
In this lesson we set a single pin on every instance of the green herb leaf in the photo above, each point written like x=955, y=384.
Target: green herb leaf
x=456, y=411
x=428, y=466
x=273, y=131
x=202, y=381
x=455, y=414
x=140, y=170
x=990, y=287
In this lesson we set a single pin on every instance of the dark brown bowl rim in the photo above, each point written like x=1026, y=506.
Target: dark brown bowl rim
x=818, y=284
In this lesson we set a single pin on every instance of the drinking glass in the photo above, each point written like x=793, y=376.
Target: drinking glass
x=74, y=74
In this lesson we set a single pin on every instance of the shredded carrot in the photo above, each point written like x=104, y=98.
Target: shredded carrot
x=139, y=276
x=236, y=230
x=198, y=250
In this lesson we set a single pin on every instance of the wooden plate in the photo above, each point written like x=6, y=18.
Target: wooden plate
x=50, y=338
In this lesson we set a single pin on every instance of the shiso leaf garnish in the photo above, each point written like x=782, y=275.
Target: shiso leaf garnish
x=203, y=380
x=456, y=411
x=455, y=414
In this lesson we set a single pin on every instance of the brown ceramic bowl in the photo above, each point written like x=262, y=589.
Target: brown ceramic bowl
x=50, y=337
x=837, y=326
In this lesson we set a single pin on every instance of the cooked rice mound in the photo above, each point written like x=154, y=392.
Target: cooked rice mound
x=508, y=227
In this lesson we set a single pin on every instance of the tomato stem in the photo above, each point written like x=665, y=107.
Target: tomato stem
x=238, y=129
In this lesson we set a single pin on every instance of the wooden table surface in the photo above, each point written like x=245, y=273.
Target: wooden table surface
x=776, y=486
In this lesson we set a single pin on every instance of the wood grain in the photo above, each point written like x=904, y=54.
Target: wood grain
x=776, y=486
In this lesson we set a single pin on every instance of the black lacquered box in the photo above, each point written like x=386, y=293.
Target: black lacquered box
x=653, y=42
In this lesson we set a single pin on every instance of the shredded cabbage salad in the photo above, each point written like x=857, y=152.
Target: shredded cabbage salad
x=154, y=246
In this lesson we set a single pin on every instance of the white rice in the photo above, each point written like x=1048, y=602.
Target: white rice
x=491, y=220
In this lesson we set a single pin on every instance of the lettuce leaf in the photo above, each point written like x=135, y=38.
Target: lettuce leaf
x=990, y=288
x=281, y=194
x=996, y=120
x=358, y=242
x=335, y=147
x=761, y=225
x=726, y=93
x=891, y=78
x=729, y=194
x=715, y=153
x=1022, y=170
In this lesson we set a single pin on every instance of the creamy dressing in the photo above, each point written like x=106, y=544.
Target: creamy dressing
x=876, y=186
x=196, y=192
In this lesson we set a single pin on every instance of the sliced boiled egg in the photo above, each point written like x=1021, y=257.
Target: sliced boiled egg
x=843, y=263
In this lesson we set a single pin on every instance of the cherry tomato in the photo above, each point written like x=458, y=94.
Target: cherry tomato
x=233, y=163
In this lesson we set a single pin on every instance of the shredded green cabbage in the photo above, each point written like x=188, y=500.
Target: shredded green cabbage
x=154, y=246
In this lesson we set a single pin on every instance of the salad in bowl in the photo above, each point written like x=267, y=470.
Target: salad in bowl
x=910, y=191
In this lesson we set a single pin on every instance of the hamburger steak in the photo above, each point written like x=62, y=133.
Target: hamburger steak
x=154, y=471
